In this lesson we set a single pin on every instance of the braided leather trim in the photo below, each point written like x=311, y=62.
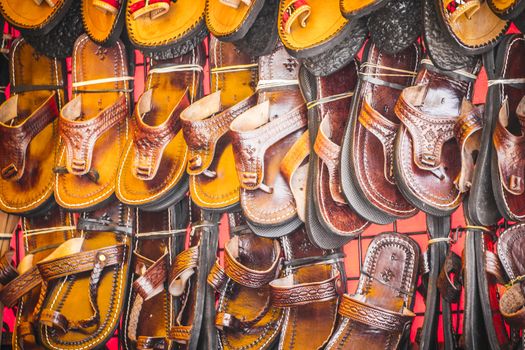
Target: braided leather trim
x=81, y=262
x=284, y=294
x=19, y=287
x=372, y=316
x=79, y=137
x=188, y=259
x=180, y=334
x=217, y=277
x=14, y=140
x=149, y=284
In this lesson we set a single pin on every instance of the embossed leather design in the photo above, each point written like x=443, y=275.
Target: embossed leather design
x=20, y=286
x=152, y=281
x=184, y=261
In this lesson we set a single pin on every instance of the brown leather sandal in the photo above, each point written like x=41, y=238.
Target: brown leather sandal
x=367, y=175
x=378, y=315
x=87, y=281
x=159, y=238
x=425, y=157
x=166, y=28
x=261, y=138
x=38, y=17
x=152, y=170
x=507, y=9
x=309, y=292
x=93, y=126
x=28, y=131
x=23, y=287
x=245, y=318
x=103, y=20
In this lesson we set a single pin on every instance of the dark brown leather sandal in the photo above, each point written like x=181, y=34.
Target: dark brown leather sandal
x=164, y=28
x=245, y=317
x=103, y=20
x=508, y=139
x=367, y=175
x=23, y=287
x=87, y=281
x=261, y=138
x=152, y=170
x=425, y=157
x=159, y=238
x=93, y=126
x=309, y=292
x=28, y=131
x=378, y=315
x=328, y=102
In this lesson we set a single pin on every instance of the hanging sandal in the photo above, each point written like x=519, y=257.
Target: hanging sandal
x=103, y=20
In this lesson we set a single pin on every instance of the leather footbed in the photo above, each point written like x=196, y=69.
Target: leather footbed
x=229, y=23
x=28, y=15
x=103, y=27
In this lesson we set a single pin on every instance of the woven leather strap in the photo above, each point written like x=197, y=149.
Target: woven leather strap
x=375, y=317
x=180, y=334
x=15, y=139
x=20, y=286
x=493, y=267
x=151, y=282
x=183, y=267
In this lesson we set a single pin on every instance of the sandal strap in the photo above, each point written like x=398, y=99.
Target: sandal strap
x=429, y=133
x=149, y=141
x=493, y=267
x=7, y=270
x=250, y=145
x=385, y=131
x=450, y=289
x=14, y=140
x=20, y=286
x=151, y=343
x=285, y=293
x=183, y=267
x=151, y=282
x=81, y=262
x=180, y=334
x=373, y=316
x=79, y=137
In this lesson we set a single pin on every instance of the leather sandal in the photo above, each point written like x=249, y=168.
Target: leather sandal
x=28, y=137
x=378, y=315
x=245, y=317
x=159, y=238
x=328, y=102
x=425, y=161
x=23, y=287
x=396, y=26
x=87, y=281
x=355, y=9
x=261, y=137
x=367, y=175
x=8, y=226
x=508, y=140
x=507, y=9
x=211, y=165
x=309, y=292
x=187, y=280
x=37, y=17
x=152, y=170
x=443, y=53
x=471, y=25
x=93, y=126
x=103, y=20
x=316, y=30
x=166, y=29
x=230, y=20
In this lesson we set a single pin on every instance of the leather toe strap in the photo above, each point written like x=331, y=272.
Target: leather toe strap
x=183, y=268
x=151, y=281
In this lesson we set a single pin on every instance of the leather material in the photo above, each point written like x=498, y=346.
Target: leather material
x=231, y=20
x=43, y=15
x=507, y=9
x=356, y=9
x=425, y=153
x=308, y=292
x=89, y=310
x=28, y=130
x=474, y=29
x=262, y=136
x=103, y=24
x=378, y=314
x=94, y=127
x=374, y=127
x=152, y=167
x=508, y=135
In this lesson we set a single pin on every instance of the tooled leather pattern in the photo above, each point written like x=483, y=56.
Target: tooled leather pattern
x=7, y=270
x=429, y=134
x=188, y=259
x=217, y=277
x=248, y=278
x=329, y=153
x=307, y=293
x=385, y=131
x=510, y=151
x=278, y=65
x=154, y=277
x=20, y=286
x=368, y=315
x=249, y=147
x=180, y=333
x=15, y=140
x=149, y=143
x=202, y=135
x=80, y=262
x=145, y=343
x=79, y=137
x=467, y=124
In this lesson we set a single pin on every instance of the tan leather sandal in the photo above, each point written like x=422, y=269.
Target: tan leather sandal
x=28, y=131
x=103, y=20
x=36, y=16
